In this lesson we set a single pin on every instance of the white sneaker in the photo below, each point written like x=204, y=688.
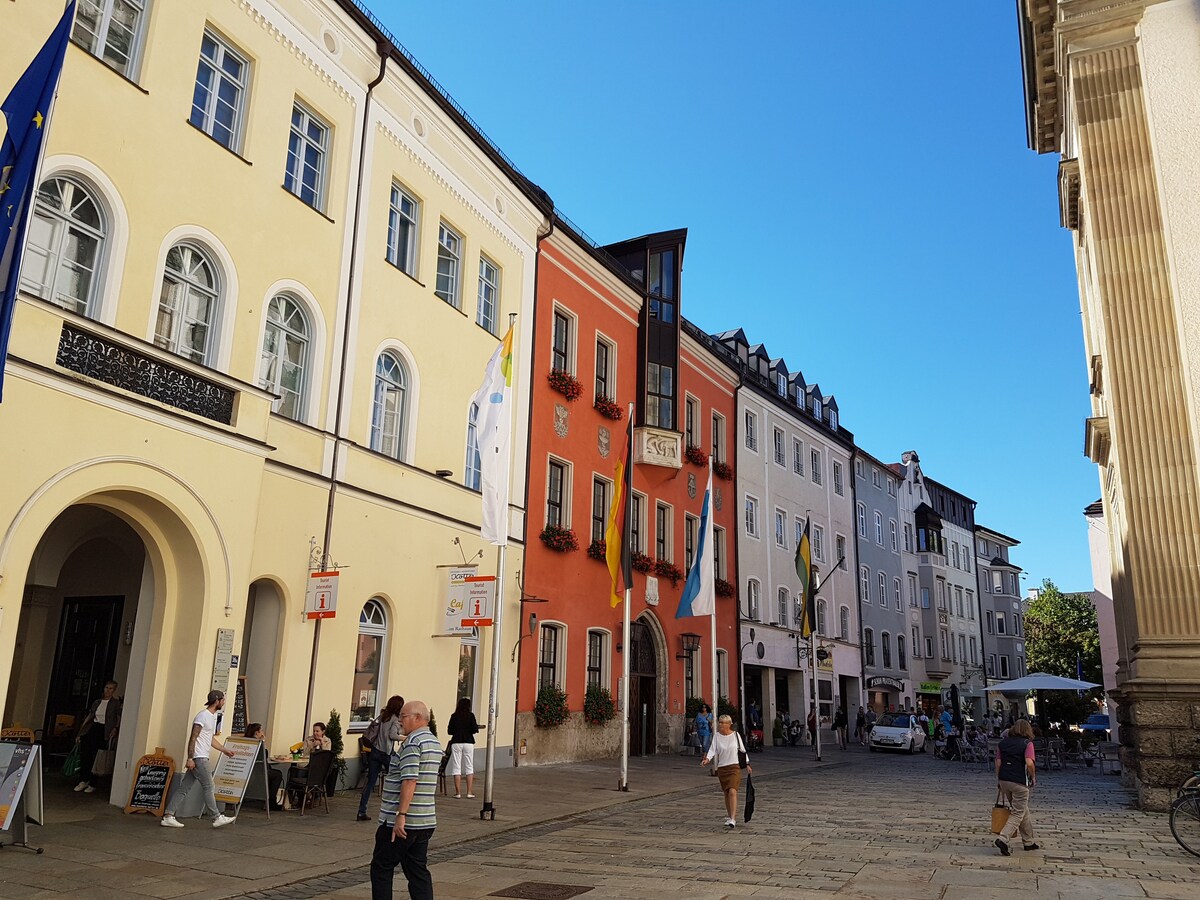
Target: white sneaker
x=79, y=787
x=170, y=822
x=729, y=823
x=223, y=820
x=89, y=790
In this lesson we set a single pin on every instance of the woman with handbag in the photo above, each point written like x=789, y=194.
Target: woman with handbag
x=1016, y=772
x=381, y=734
x=96, y=736
x=728, y=754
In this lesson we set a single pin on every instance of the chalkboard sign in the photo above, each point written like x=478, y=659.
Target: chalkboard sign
x=239, y=708
x=150, y=784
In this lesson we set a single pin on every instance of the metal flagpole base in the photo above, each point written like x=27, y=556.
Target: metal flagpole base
x=488, y=811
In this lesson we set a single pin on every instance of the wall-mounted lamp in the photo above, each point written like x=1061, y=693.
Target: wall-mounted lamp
x=443, y=473
x=690, y=643
x=532, y=624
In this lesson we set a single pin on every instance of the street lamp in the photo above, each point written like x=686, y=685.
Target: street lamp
x=690, y=643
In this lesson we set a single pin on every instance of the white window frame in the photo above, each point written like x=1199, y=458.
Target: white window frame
x=399, y=435
x=473, y=465
x=605, y=658
x=864, y=583
x=272, y=363
x=839, y=486
x=818, y=542
x=777, y=447
x=895, y=537
x=718, y=437
x=216, y=66
x=408, y=221
x=814, y=460
x=54, y=257
x=568, y=481
x=572, y=330
x=668, y=533
x=449, y=258
x=844, y=622
x=881, y=584
x=297, y=163
x=839, y=549
x=692, y=410
x=189, y=285
x=753, y=600
x=97, y=43
x=559, y=665
x=750, y=517
x=750, y=424
x=487, y=311
x=372, y=622
x=797, y=456
x=879, y=528
x=780, y=528
x=897, y=594
x=862, y=520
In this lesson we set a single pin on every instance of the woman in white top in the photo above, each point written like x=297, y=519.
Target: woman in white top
x=723, y=753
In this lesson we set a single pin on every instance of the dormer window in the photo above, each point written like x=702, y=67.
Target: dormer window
x=833, y=419
x=781, y=383
x=816, y=407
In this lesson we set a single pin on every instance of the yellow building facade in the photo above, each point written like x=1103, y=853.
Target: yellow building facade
x=268, y=264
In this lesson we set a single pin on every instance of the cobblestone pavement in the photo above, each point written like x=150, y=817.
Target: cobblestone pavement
x=869, y=826
x=858, y=826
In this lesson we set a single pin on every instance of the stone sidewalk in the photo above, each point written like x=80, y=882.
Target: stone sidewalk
x=861, y=826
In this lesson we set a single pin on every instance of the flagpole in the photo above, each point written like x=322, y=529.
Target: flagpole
x=623, y=783
x=716, y=700
x=489, y=771
x=812, y=654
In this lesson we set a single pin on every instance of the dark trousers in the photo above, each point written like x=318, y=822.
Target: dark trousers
x=410, y=853
x=89, y=745
x=376, y=763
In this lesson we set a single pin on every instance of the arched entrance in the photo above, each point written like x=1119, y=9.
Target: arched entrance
x=643, y=690
x=259, y=659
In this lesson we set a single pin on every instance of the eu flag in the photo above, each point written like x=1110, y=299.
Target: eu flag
x=26, y=110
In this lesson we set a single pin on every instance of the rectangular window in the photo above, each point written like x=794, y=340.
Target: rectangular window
x=662, y=531
x=891, y=487
x=603, y=369
x=556, y=489
x=901, y=656
x=601, y=496
x=892, y=533
x=962, y=649
x=929, y=648
x=945, y=644
x=449, y=263
x=797, y=457
x=970, y=604
x=924, y=598
x=1016, y=625
x=799, y=530
x=637, y=527
x=991, y=665
x=908, y=544
x=404, y=216
x=896, y=596
x=879, y=528
x=751, y=431
x=858, y=468
x=560, y=352
x=780, y=529
x=111, y=30
x=718, y=438
x=777, y=439
x=719, y=550
x=882, y=582
x=548, y=656
x=912, y=592
x=752, y=599
x=1000, y=629
x=219, y=99
x=966, y=559
x=751, y=517
x=941, y=594
x=840, y=549
x=595, y=660
x=864, y=584
x=690, y=526
x=958, y=599
x=874, y=476
x=489, y=294
x=862, y=521
x=691, y=422
x=1003, y=666
x=974, y=652
x=997, y=581
x=660, y=396
x=838, y=487
x=814, y=459
x=954, y=554
x=308, y=149
x=782, y=607
x=818, y=542
x=990, y=620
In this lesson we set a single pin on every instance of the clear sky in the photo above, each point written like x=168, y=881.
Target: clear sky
x=858, y=195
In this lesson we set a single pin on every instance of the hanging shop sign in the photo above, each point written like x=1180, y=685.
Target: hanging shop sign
x=320, y=600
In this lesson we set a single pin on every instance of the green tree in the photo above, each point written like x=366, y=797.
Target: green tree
x=1061, y=638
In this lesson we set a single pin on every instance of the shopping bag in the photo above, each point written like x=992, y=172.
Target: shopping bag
x=1000, y=813
x=105, y=760
x=749, y=813
x=71, y=763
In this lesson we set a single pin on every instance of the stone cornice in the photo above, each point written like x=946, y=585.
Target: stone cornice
x=252, y=10
x=1068, y=193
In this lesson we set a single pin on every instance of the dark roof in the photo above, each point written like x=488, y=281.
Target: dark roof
x=1094, y=509
x=999, y=534
x=673, y=236
x=998, y=563
x=736, y=334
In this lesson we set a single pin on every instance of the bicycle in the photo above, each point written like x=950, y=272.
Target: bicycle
x=1185, y=815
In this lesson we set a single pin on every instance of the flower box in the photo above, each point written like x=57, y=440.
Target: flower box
x=565, y=383
x=665, y=569
x=598, y=550
x=641, y=562
x=608, y=408
x=723, y=588
x=696, y=456
x=723, y=470
x=561, y=539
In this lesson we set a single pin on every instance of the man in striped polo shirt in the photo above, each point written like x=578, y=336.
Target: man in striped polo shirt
x=406, y=814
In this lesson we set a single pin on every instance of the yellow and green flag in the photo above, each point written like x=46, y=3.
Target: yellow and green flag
x=808, y=614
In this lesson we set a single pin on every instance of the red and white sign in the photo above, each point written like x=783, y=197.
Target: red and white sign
x=320, y=601
x=480, y=597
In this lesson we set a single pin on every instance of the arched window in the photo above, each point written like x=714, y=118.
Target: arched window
x=821, y=617
x=844, y=623
x=188, y=304
x=65, y=247
x=752, y=598
x=284, y=363
x=882, y=583
x=368, y=695
x=885, y=641
x=869, y=646
x=901, y=657
x=550, y=646
x=389, y=414
x=472, y=470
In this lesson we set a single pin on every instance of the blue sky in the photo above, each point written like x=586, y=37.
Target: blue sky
x=859, y=196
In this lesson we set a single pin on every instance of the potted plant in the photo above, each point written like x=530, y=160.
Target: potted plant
x=558, y=538
x=695, y=456
x=723, y=470
x=641, y=562
x=566, y=384
x=337, y=774
x=550, y=709
x=597, y=550
x=723, y=588
x=608, y=407
x=666, y=569
x=598, y=706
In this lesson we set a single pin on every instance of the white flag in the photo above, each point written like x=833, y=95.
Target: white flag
x=699, y=592
x=493, y=429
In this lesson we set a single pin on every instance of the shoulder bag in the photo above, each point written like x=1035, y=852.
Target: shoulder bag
x=1000, y=813
x=743, y=757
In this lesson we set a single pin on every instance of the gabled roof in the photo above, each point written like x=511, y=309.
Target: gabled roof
x=778, y=365
x=760, y=351
x=830, y=402
x=814, y=390
x=998, y=563
x=736, y=335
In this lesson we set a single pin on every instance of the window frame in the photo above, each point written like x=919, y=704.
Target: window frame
x=750, y=426
x=378, y=439
x=207, y=121
x=180, y=321
x=99, y=40
x=61, y=225
x=750, y=517
x=566, y=354
x=283, y=330
x=600, y=666
x=797, y=456
x=555, y=666
x=473, y=464
x=602, y=487
x=412, y=230
x=373, y=627
x=664, y=526
x=868, y=645
x=301, y=134
x=777, y=447
x=561, y=503
x=453, y=257
x=839, y=485
x=485, y=321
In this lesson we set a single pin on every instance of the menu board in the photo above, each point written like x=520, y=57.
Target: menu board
x=239, y=707
x=17, y=762
x=150, y=784
x=233, y=772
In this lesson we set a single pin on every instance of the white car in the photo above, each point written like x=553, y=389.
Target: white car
x=897, y=731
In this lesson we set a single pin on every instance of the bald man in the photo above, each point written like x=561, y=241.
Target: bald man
x=406, y=814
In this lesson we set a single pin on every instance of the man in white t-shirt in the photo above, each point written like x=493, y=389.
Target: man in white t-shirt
x=200, y=744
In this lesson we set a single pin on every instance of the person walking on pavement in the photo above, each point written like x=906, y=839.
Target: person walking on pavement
x=200, y=744
x=812, y=724
x=839, y=727
x=726, y=744
x=407, y=815
x=382, y=734
x=860, y=726
x=704, y=727
x=1016, y=772
x=463, y=727
x=872, y=718
x=98, y=730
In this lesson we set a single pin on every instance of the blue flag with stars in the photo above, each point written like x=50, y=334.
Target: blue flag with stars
x=26, y=110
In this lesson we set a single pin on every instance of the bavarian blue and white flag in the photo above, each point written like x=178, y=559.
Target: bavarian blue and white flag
x=699, y=593
x=27, y=114
x=493, y=428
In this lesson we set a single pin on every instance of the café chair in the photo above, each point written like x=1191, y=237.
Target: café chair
x=309, y=783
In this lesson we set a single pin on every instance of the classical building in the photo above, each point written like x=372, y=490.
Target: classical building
x=609, y=332
x=1000, y=601
x=1113, y=88
x=243, y=353
x=793, y=466
x=938, y=527
x=886, y=643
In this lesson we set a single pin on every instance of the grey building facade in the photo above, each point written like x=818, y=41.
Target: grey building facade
x=1001, y=602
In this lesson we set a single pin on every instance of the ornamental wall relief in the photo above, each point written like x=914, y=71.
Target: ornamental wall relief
x=560, y=420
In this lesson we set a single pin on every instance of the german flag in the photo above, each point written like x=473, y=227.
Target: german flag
x=617, y=551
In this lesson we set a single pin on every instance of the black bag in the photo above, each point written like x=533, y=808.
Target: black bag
x=743, y=757
x=749, y=813
x=371, y=735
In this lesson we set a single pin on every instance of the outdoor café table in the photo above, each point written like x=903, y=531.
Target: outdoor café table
x=284, y=765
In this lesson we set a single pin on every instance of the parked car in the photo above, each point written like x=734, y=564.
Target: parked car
x=897, y=731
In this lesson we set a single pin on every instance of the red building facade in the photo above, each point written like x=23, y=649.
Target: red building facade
x=609, y=332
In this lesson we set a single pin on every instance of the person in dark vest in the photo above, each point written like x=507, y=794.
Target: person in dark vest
x=1017, y=773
